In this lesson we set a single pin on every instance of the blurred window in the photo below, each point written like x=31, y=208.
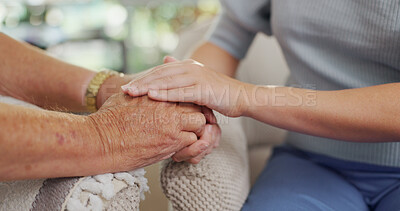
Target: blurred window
x=125, y=35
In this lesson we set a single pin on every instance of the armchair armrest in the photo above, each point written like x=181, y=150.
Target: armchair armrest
x=219, y=182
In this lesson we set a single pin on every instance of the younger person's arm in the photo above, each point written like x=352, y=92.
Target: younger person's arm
x=216, y=58
x=370, y=114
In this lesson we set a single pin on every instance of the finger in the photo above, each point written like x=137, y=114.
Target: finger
x=191, y=151
x=213, y=133
x=187, y=95
x=149, y=74
x=190, y=108
x=125, y=88
x=216, y=135
x=169, y=59
x=193, y=122
x=200, y=148
x=151, y=71
x=172, y=81
x=173, y=67
x=167, y=69
x=165, y=83
x=208, y=113
x=186, y=139
x=168, y=156
x=197, y=159
x=134, y=87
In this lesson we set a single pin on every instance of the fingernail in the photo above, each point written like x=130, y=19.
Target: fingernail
x=131, y=89
x=125, y=87
x=204, y=147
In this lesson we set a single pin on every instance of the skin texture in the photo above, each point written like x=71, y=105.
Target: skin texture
x=160, y=129
x=206, y=143
x=369, y=114
x=46, y=143
x=39, y=144
x=216, y=59
x=106, y=141
x=222, y=62
x=190, y=81
x=27, y=73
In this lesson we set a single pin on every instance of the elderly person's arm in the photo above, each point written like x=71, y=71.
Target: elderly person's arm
x=28, y=74
x=125, y=134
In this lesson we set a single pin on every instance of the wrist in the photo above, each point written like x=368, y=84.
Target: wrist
x=109, y=139
x=246, y=100
x=111, y=86
x=257, y=96
x=101, y=142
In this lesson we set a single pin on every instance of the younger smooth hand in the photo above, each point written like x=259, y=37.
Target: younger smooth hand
x=190, y=81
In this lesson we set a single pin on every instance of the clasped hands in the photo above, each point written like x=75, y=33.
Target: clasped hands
x=140, y=131
x=170, y=112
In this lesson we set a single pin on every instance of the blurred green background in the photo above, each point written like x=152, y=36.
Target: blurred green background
x=124, y=35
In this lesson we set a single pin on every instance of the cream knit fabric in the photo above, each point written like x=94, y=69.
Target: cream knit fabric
x=219, y=182
x=101, y=192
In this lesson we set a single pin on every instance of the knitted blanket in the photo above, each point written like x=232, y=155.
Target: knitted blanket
x=118, y=191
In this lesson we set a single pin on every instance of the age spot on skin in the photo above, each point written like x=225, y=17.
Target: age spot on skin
x=60, y=139
x=28, y=167
x=73, y=134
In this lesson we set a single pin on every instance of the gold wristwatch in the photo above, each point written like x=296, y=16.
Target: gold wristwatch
x=94, y=86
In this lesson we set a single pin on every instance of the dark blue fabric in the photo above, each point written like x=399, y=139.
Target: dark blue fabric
x=298, y=180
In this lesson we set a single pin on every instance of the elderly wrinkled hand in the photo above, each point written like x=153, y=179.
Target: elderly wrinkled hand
x=207, y=141
x=137, y=132
x=193, y=153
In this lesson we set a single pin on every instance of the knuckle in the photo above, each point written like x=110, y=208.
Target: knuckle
x=192, y=137
x=167, y=79
x=170, y=139
x=173, y=135
x=201, y=119
x=181, y=119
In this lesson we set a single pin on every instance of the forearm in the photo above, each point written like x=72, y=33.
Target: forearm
x=369, y=114
x=216, y=59
x=43, y=144
x=27, y=73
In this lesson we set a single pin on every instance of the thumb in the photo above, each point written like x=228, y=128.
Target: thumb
x=168, y=59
